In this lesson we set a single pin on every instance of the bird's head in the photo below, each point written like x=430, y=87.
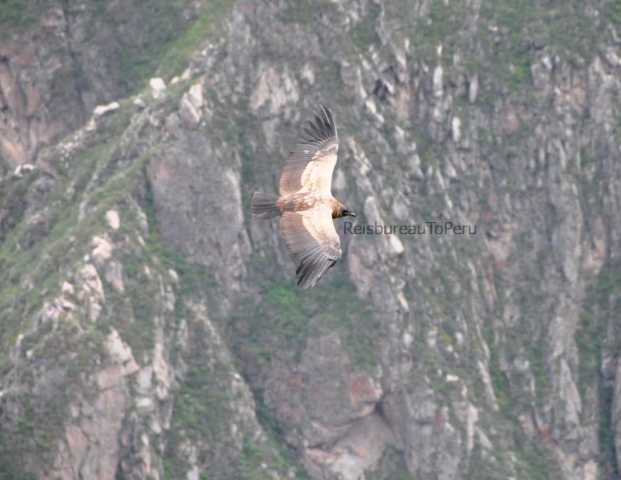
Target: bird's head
x=347, y=212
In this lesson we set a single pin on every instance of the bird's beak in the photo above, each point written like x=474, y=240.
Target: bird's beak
x=352, y=214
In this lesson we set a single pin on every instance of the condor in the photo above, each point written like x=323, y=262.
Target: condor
x=306, y=205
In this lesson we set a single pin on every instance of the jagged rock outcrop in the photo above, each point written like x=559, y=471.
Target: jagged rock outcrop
x=196, y=187
x=146, y=309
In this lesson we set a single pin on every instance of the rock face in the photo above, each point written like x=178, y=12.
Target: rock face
x=69, y=58
x=152, y=330
x=196, y=187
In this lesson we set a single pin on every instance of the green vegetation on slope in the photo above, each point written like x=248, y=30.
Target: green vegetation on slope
x=364, y=34
x=208, y=24
x=284, y=313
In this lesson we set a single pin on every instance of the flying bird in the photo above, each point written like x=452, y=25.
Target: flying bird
x=306, y=206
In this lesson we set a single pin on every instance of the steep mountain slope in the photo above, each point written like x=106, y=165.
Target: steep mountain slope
x=150, y=329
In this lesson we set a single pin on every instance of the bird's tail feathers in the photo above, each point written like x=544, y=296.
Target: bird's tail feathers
x=264, y=206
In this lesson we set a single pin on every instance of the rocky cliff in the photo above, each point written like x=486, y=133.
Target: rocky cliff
x=150, y=329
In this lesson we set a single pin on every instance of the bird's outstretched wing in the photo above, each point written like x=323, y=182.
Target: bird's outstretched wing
x=313, y=242
x=310, y=165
